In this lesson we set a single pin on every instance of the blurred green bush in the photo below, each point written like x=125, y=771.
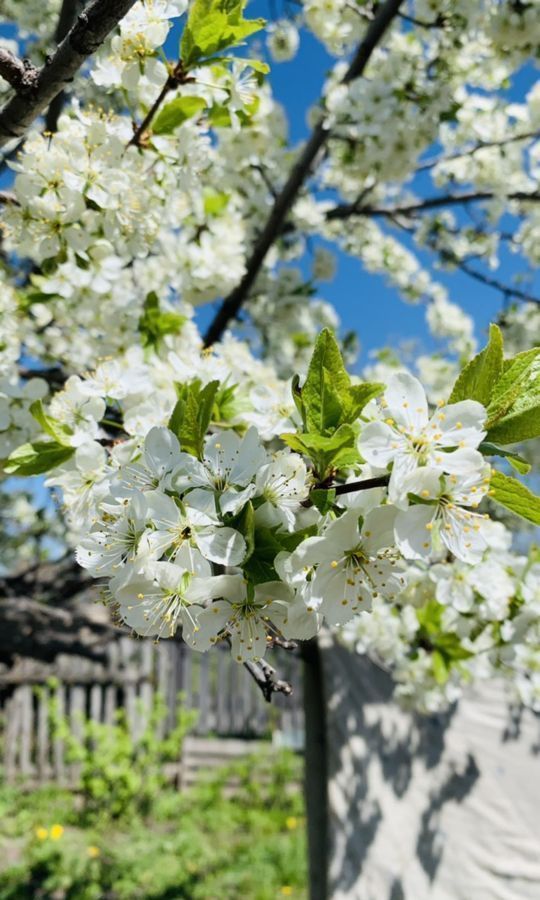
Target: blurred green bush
x=126, y=834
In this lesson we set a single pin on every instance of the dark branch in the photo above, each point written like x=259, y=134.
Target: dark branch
x=264, y=676
x=505, y=289
x=66, y=20
x=177, y=76
x=19, y=73
x=298, y=175
x=346, y=210
x=481, y=145
x=92, y=27
x=365, y=485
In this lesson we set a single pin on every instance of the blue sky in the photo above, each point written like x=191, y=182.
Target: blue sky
x=364, y=302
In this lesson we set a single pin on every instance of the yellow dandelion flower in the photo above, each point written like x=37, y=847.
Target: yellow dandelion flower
x=56, y=832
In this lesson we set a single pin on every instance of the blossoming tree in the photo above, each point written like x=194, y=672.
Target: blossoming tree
x=242, y=486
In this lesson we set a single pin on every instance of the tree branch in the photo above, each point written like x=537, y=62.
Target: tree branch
x=66, y=20
x=92, y=27
x=299, y=173
x=19, y=73
x=365, y=485
x=481, y=145
x=264, y=676
x=345, y=210
x=507, y=290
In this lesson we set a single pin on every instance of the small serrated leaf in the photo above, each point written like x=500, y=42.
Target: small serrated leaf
x=478, y=378
x=515, y=496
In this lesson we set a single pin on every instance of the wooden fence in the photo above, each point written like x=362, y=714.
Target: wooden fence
x=227, y=702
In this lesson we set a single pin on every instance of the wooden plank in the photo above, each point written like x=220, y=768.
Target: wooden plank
x=77, y=713
x=43, y=746
x=204, y=698
x=11, y=736
x=58, y=744
x=96, y=703
x=222, y=692
x=26, y=699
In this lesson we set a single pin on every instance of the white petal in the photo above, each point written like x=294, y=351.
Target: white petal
x=460, y=424
x=413, y=538
x=222, y=545
x=406, y=401
x=379, y=444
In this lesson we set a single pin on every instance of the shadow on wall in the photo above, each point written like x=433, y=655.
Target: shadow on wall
x=398, y=783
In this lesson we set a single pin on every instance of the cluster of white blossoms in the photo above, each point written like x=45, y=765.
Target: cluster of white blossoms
x=455, y=623
x=207, y=491
x=223, y=540
x=133, y=52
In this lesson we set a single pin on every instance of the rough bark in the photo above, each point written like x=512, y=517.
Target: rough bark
x=90, y=30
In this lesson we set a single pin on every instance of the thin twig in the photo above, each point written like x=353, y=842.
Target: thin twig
x=264, y=676
x=365, y=485
x=177, y=76
x=92, y=27
x=481, y=145
x=345, y=210
x=299, y=173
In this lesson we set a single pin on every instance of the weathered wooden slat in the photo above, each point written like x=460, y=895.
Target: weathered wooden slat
x=43, y=745
x=58, y=744
x=11, y=735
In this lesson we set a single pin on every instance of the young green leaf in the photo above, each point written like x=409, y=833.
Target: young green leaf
x=519, y=374
x=517, y=462
x=323, y=500
x=513, y=495
x=213, y=26
x=515, y=410
x=192, y=415
x=37, y=458
x=60, y=433
x=329, y=453
x=328, y=399
x=176, y=113
x=478, y=378
x=154, y=325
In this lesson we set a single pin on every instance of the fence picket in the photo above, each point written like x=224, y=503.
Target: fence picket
x=214, y=685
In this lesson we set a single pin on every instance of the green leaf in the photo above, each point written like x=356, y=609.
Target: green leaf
x=176, y=113
x=439, y=667
x=478, y=378
x=192, y=414
x=328, y=398
x=328, y=453
x=519, y=373
x=268, y=542
x=37, y=458
x=61, y=434
x=215, y=202
x=514, y=413
x=517, y=462
x=323, y=500
x=154, y=325
x=212, y=26
x=513, y=495
x=327, y=382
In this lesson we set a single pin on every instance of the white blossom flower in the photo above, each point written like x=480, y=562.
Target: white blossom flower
x=409, y=438
x=441, y=519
